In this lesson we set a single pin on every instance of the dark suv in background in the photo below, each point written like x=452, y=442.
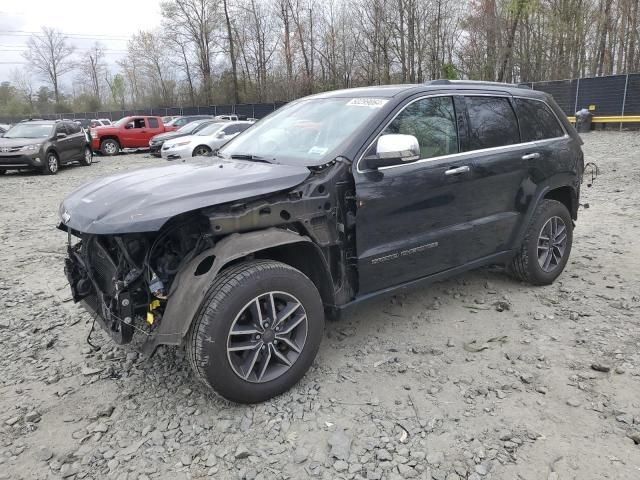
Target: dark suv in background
x=44, y=145
x=337, y=198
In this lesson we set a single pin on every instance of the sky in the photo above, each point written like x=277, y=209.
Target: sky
x=111, y=22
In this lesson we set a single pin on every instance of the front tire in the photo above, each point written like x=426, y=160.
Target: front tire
x=201, y=151
x=51, y=164
x=235, y=346
x=87, y=157
x=547, y=244
x=109, y=147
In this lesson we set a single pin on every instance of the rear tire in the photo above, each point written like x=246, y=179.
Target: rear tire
x=87, y=157
x=109, y=147
x=51, y=164
x=547, y=244
x=231, y=346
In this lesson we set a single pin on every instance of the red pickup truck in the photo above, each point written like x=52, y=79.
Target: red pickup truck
x=128, y=132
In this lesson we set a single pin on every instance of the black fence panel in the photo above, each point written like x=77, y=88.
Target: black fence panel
x=224, y=109
x=563, y=91
x=257, y=110
x=606, y=93
x=632, y=99
x=244, y=110
x=263, y=109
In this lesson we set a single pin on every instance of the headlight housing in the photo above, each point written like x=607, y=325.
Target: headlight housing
x=181, y=144
x=31, y=148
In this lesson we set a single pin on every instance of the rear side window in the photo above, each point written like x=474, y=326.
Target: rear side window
x=433, y=122
x=492, y=122
x=537, y=121
x=153, y=123
x=73, y=128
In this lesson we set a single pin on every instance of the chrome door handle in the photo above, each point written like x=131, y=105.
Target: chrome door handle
x=531, y=156
x=457, y=171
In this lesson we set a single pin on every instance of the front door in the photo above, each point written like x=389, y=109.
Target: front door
x=64, y=145
x=410, y=220
x=135, y=133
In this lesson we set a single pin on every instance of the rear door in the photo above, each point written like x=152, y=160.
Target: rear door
x=500, y=192
x=154, y=127
x=410, y=221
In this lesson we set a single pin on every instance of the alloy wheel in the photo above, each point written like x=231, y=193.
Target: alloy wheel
x=88, y=156
x=552, y=243
x=267, y=337
x=110, y=148
x=52, y=162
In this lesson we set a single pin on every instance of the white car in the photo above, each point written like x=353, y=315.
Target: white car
x=204, y=142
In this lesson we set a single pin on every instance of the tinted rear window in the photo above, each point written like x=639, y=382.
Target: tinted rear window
x=537, y=121
x=492, y=122
x=153, y=123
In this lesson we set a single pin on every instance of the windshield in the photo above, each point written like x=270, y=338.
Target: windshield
x=122, y=121
x=210, y=129
x=33, y=130
x=189, y=127
x=304, y=132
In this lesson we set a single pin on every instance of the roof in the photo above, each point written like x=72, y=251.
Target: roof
x=389, y=91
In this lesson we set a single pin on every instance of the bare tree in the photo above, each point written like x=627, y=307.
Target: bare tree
x=49, y=54
x=92, y=69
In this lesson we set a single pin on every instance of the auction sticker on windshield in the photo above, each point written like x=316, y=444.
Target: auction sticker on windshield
x=367, y=102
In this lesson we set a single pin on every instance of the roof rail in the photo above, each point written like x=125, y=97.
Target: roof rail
x=473, y=82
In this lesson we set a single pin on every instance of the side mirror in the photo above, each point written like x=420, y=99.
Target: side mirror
x=220, y=135
x=128, y=126
x=61, y=135
x=393, y=149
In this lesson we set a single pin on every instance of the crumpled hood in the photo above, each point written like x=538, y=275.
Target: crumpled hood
x=144, y=200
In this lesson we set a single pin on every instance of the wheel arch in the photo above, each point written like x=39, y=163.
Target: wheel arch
x=564, y=192
x=110, y=137
x=194, y=278
x=566, y=195
x=193, y=152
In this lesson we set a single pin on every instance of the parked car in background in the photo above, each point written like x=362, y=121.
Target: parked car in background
x=43, y=145
x=3, y=129
x=128, y=132
x=203, y=142
x=181, y=121
x=168, y=118
x=155, y=144
x=105, y=121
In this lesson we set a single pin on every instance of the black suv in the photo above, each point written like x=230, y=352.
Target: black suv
x=335, y=199
x=44, y=145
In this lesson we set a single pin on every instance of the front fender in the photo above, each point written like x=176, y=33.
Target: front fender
x=194, y=279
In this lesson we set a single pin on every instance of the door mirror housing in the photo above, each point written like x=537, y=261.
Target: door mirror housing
x=393, y=149
x=128, y=126
x=220, y=134
x=61, y=135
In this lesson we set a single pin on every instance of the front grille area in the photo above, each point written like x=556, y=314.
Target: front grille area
x=102, y=267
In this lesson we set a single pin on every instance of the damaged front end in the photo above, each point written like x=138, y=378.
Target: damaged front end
x=123, y=280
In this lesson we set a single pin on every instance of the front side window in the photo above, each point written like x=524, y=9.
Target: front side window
x=492, y=122
x=537, y=121
x=136, y=123
x=433, y=122
x=153, y=123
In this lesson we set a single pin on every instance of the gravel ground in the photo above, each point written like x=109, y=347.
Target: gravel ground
x=478, y=377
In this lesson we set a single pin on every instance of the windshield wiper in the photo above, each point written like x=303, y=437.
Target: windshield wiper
x=253, y=158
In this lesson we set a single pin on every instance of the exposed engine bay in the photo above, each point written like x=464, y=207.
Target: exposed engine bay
x=127, y=280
